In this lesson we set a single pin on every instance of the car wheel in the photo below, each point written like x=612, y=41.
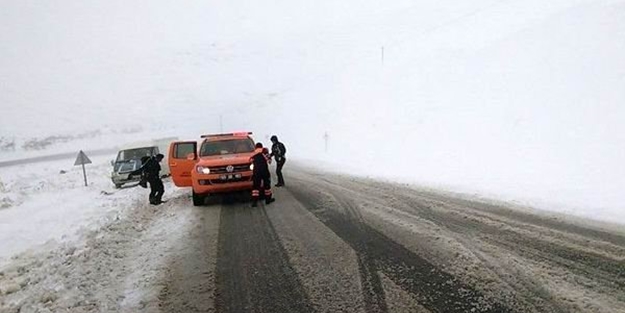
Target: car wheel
x=198, y=199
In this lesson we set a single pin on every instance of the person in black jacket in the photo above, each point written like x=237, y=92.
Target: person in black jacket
x=260, y=175
x=278, y=151
x=151, y=172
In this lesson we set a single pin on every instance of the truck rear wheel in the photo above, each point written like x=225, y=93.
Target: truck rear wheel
x=198, y=199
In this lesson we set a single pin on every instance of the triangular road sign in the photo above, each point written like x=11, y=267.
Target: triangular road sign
x=82, y=159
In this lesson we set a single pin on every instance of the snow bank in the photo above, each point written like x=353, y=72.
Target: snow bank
x=120, y=267
x=48, y=203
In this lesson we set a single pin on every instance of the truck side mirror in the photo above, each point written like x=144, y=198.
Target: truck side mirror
x=112, y=163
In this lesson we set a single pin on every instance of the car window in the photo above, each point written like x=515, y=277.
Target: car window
x=134, y=154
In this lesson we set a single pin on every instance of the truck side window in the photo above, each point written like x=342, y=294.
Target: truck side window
x=183, y=149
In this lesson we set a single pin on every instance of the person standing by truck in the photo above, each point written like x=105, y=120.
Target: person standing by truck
x=261, y=176
x=151, y=171
x=278, y=151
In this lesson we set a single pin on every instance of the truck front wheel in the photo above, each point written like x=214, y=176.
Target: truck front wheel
x=198, y=199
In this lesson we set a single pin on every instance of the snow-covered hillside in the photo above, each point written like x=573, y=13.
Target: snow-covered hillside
x=514, y=99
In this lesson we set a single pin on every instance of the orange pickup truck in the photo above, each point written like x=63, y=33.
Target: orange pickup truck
x=221, y=164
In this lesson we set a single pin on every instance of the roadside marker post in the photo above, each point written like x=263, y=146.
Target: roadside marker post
x=325, y=138
x=82, y=159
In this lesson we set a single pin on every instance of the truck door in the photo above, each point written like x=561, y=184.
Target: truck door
x=180, y=165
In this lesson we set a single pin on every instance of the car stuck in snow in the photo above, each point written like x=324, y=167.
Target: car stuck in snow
x=129, y=159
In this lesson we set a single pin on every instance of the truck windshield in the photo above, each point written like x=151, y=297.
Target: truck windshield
x=221, y=147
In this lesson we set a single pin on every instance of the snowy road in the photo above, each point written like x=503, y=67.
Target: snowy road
x=330, y=243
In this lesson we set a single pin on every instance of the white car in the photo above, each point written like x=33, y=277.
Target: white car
x=129, y=159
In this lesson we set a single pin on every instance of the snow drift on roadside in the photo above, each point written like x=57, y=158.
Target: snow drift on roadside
x=45, y=205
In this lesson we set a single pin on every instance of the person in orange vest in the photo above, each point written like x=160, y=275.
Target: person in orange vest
x=261, y=176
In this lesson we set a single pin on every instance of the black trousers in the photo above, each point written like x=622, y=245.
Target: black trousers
x=279, y=166
x=261, y=182
x=156, y=190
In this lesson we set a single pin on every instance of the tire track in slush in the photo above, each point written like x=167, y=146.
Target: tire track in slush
x=372, y=289
x=408, y=204
x=436, y=290
x=253, y=271
x=602, y=268
x=555, y=244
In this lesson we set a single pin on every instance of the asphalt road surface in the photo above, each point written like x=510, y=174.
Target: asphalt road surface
x=333, y=243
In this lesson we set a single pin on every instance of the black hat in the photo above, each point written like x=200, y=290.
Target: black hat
x=259, y=145
x=274, y=138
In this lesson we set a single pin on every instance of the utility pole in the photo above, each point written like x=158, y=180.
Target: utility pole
x=325, y=138
x=382, y=52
